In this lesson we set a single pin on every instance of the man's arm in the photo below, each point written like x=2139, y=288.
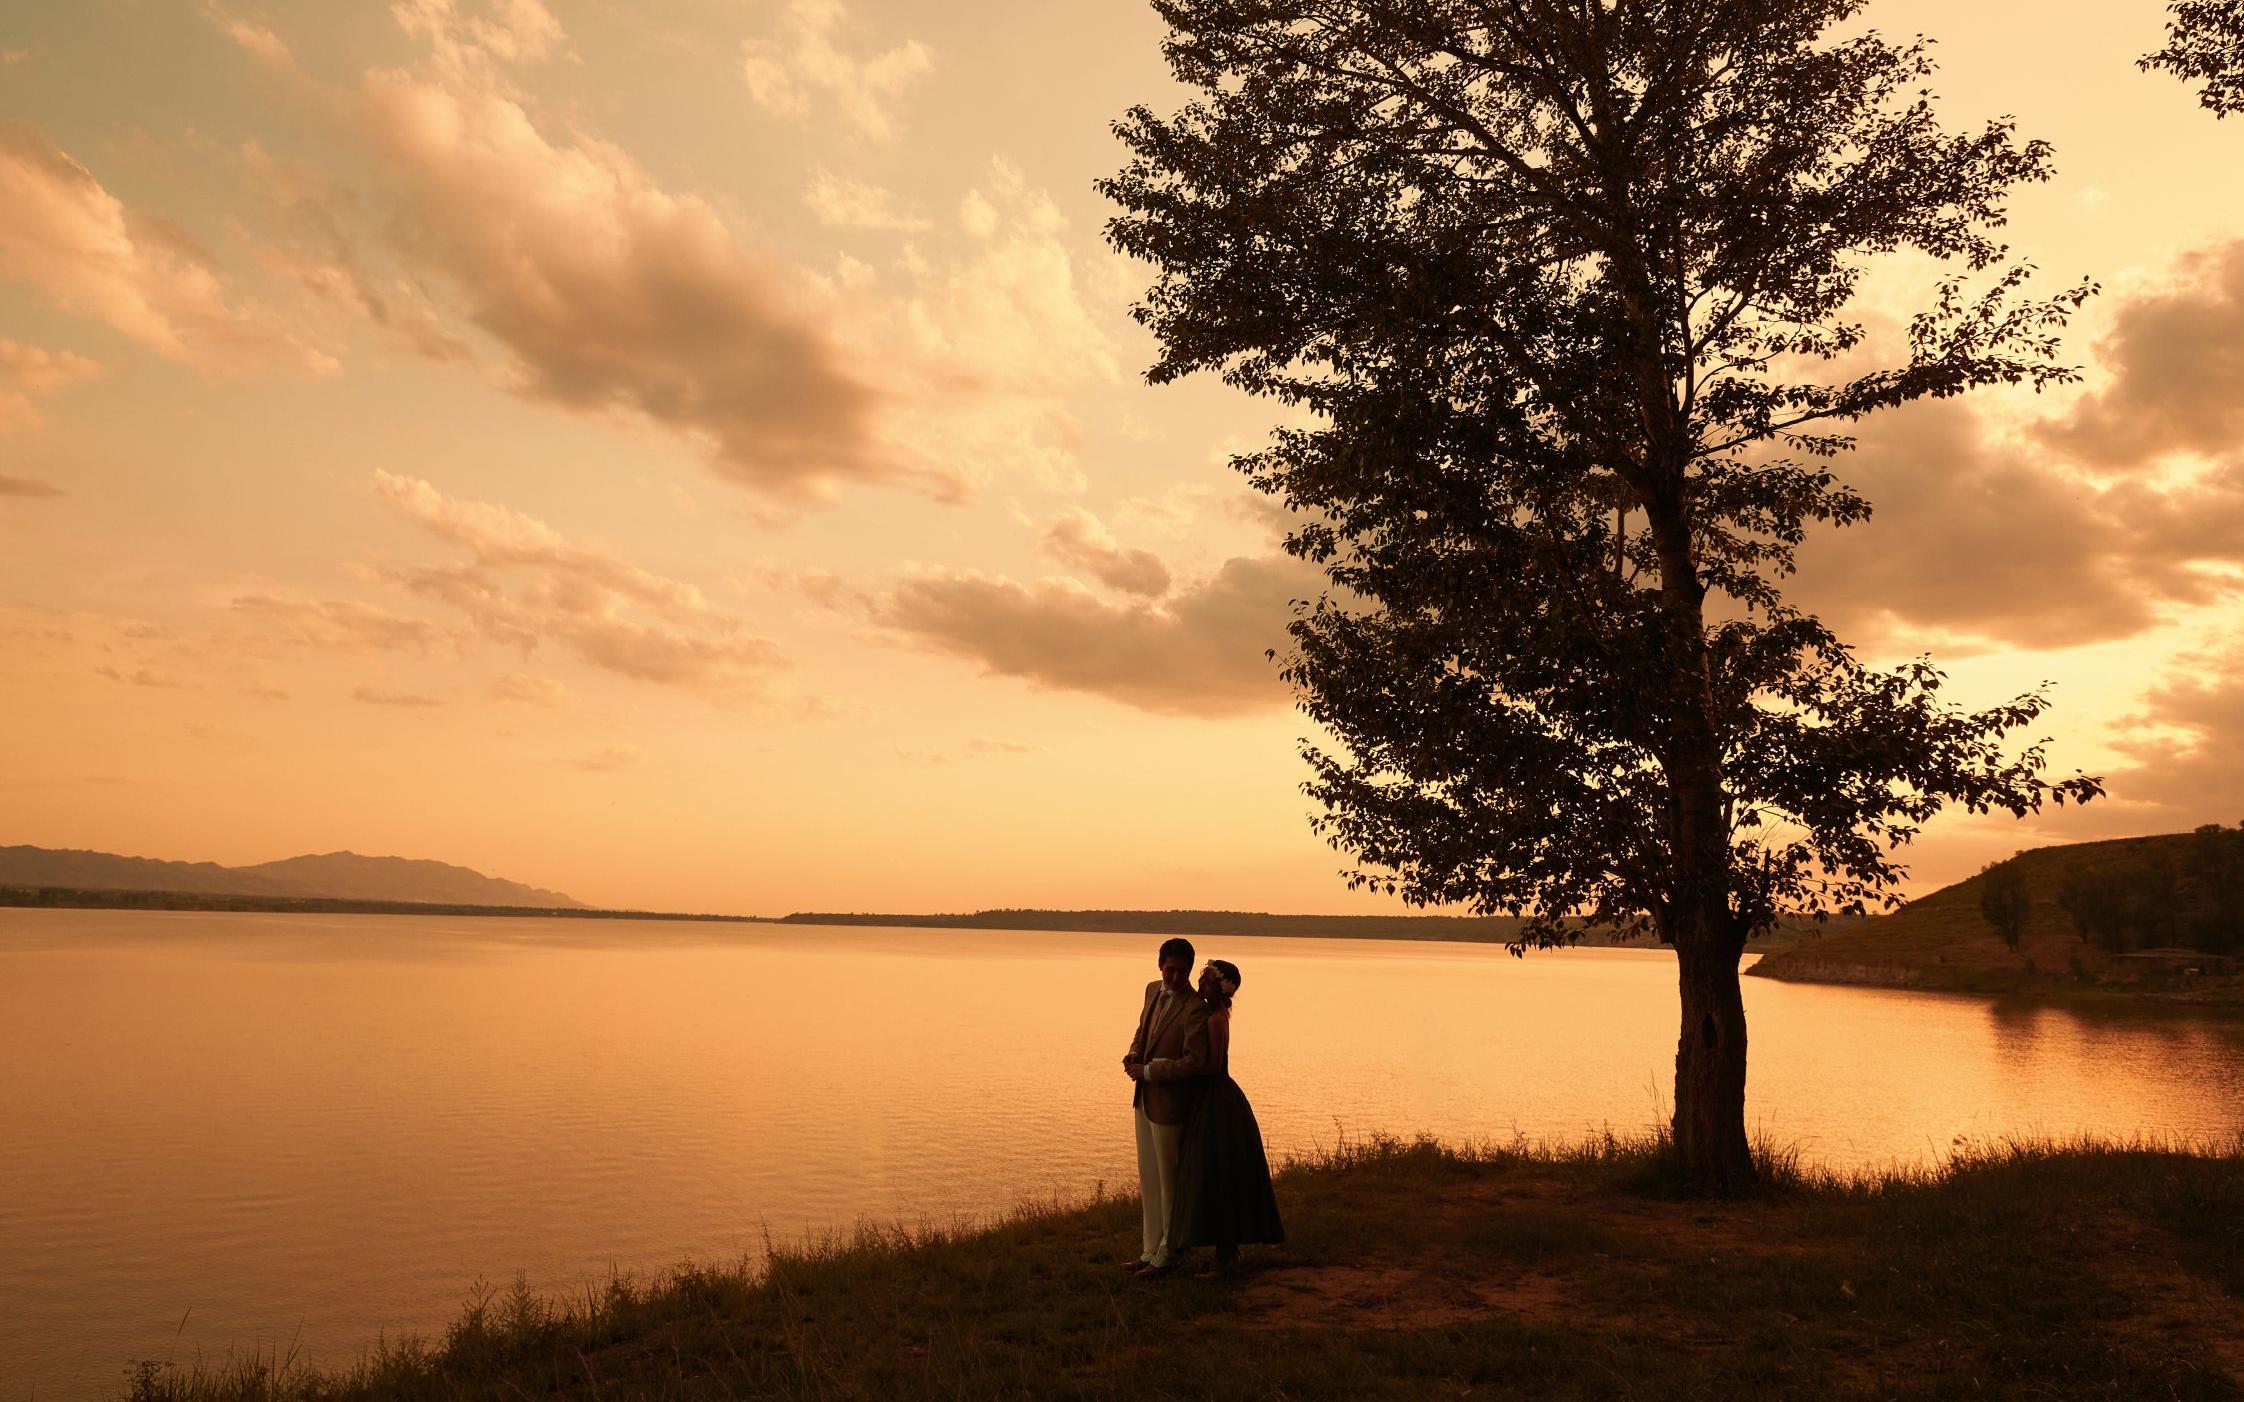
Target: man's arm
x=1145, y=1019
x=1193, y=1059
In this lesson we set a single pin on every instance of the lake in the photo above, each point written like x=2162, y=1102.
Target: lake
x=265, y=1131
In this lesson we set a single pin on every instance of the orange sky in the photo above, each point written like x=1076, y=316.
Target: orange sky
x=693, y=455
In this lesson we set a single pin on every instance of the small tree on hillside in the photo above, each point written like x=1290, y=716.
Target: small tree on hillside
x=2205, y=43
x=2003, y=900
x=1560, y=290
x=2098, y=905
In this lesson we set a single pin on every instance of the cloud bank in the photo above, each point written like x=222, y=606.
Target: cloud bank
x=524, y=585
x=1198, y=653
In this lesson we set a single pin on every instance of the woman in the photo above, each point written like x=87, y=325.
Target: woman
x=1222, y=1195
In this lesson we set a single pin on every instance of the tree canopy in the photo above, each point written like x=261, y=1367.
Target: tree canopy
x=2205, y=44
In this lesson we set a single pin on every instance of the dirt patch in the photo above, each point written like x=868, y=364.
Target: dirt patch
x=1391, y=1297
x=2172, y=1306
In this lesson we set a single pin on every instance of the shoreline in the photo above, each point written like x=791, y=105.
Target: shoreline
x=1415, y=1269
x=2223, y=996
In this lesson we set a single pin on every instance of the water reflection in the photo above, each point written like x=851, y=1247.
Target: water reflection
x=335, y=1124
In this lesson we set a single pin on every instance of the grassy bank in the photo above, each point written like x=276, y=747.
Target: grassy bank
x=1417, y=1271
x=1944, y=942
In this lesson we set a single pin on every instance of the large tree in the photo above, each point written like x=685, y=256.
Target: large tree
x=2205, y=44
x=1559, y=292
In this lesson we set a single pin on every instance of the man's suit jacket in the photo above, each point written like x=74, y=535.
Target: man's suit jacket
x=1172, y=1043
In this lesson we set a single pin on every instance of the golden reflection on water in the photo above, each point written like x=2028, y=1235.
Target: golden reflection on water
x=324, y=1128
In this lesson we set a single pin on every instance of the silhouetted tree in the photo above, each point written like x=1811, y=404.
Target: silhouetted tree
x=2214, y=922
x=2003, y=900
x=2205, y=43
x=2098, y=905
x=1531, y=272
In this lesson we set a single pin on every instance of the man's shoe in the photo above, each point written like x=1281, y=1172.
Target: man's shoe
x=1156, y=1272
x=1137, y=1267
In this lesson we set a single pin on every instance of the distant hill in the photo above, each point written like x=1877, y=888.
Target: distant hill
x=1944, y=941
x=331, y=875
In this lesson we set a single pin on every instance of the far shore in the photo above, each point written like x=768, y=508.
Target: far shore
x=1440, y=929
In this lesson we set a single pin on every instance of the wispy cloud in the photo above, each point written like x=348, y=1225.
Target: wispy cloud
x=612, y=760
x=524, y=585
x=65, y=234
x=522, y=689
x=803, y=63
x=410, y=700
x=340, y=624
x=842, y=203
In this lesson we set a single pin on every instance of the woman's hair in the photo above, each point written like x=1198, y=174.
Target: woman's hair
x=1229, y=973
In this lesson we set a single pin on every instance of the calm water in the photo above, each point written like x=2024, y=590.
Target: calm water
x=249, y=1130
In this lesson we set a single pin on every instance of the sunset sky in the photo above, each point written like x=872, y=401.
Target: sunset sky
x=693, y=454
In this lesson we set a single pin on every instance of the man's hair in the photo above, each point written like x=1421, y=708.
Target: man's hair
x=1178, y=948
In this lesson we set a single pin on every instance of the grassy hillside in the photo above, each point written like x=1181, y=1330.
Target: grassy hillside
x=1944, y=941
x=1414, y=1271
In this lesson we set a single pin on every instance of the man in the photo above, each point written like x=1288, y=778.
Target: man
x=1169, y=1050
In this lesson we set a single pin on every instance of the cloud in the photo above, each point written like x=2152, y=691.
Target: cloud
x=2175, y=362
x=977, y=748
x=375, y=696
x=610, y=761
x=609, y=613
x=803, y=61
x=311, y=244
x=473, y=46
x=342, y=625
x=1081, y=540
x=63, y=233
x=2185, y=748
x=140, y=676
x=606, y=291
x=255, y=39
x=30, y=487
x=842, y=203
x=1199, y=653
x=978, y=360
x=37, y=371
x=1979, y=538
x=612, y=292
x=523, y=689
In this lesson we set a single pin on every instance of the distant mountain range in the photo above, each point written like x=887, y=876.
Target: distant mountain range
x=337, y=875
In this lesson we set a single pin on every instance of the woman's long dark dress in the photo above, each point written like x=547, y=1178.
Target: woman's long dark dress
x=1222, y=1195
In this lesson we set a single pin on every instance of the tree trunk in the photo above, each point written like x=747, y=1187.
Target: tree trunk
x=1710, y=1066
x=1710, y=1052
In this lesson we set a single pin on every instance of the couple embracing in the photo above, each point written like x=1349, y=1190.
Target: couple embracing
x=1201, y=1170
